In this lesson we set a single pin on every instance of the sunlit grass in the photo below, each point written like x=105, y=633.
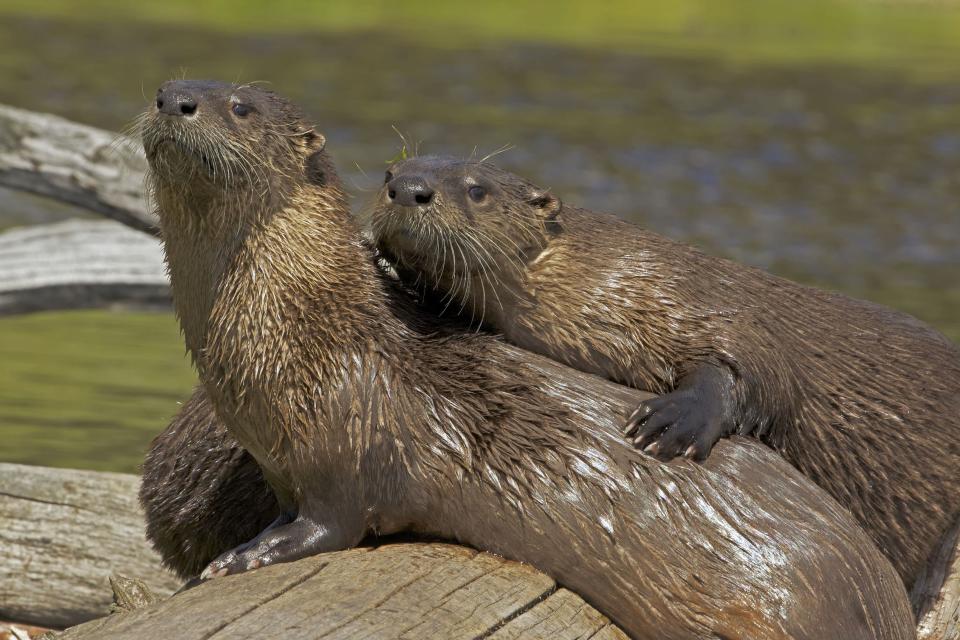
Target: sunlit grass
x=920, y=36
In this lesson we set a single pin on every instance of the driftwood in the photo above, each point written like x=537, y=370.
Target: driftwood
x=88, y=167
x=411, y=591
x=80, y=264
x=938, y=593
x=418, y=589
x=63, y=533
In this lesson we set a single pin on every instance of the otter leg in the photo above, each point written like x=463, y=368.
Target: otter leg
x=286, y=539
x=689, y=420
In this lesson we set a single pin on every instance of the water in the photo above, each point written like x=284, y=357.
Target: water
x=844, y=177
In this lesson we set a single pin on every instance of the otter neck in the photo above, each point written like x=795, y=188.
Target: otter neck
x=225, y=253
x=198, y=248
x=255, y=320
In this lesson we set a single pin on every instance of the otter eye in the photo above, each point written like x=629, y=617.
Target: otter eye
x=477, y=193
x=240, y=110
x=388, y=177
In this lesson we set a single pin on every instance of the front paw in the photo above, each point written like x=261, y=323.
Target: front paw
x=252, y=555
x=280, y=542
x=678, y=423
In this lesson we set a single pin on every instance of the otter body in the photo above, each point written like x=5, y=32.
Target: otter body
x=863, y=399
x=202, y=493
x=364, y=418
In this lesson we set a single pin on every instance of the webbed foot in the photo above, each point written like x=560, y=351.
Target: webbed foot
x=285, y=540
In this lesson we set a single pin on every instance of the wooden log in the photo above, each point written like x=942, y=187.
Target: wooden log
x=411, y=590
x=80, y=264
x=88, y=167
x=63, y=533
x=937, y=593
x=66, y=531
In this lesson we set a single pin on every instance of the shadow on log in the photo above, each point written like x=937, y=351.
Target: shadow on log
x=938, y=593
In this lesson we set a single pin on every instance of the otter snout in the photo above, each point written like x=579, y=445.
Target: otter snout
x=178, y=99
x=409, y=191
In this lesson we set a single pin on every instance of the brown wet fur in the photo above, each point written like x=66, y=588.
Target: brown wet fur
x=202, y=492
x=366, y=416
x=863, y=399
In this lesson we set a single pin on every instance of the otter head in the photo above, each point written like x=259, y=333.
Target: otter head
x=212, y=143
x=467, y=227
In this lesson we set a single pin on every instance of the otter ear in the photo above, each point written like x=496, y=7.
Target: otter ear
x=547, y=205
x=315, y=140
x=317, y=168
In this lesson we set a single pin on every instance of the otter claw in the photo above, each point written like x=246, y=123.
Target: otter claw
x=675, y=424
x=211, y=572
x=633, y=422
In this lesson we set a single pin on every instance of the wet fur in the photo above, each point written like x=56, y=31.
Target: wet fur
x=202, y=492
x=862, y=399
x=366, y=416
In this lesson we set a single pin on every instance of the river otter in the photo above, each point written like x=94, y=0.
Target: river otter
x=364, y=418
x=864, y=400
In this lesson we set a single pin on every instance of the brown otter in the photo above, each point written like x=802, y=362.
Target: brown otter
x=364, y=418
x=863, y=399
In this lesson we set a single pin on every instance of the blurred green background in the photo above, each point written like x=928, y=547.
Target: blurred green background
x=816, y=139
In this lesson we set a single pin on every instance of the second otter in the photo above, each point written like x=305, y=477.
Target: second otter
x=863, y=399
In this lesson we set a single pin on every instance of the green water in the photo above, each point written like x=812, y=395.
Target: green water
x=818, y=140
x=88, y=388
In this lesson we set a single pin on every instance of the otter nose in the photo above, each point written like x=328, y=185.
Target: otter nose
x=409, y=191
x=176, y=101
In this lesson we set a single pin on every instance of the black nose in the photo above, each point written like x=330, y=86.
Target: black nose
x=409, y=191
x=176, y=100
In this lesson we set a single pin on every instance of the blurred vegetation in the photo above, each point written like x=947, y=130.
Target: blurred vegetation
x=817, y=139
x=915, y=34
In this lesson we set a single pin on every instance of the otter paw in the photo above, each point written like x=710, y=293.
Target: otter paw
x=277, y=543
x=678, y=423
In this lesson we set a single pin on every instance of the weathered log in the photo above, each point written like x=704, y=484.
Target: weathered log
x=416, y=590
x=938, y=593
x=80, y=264
x=63, y=533
x=66, y=531
x=88, y=167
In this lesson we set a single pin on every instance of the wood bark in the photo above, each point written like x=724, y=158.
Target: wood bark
x=63, y=533
x=80, y=264
x=88, y=167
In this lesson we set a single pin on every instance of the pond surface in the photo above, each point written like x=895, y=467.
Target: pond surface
x=848, y=178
